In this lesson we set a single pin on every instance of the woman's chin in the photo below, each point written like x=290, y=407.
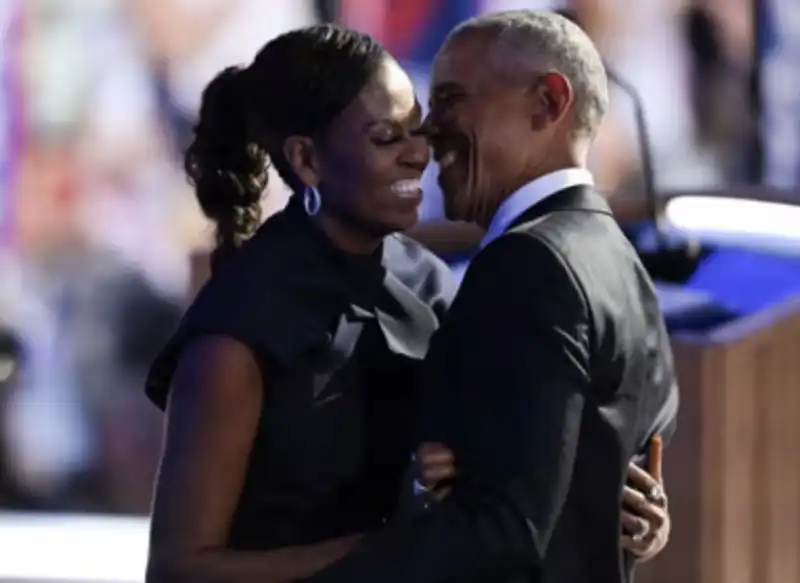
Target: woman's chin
x=400, y=222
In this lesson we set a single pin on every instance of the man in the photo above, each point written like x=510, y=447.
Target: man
x=553, y=368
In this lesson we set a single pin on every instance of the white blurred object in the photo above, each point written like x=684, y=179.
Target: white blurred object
x=58, y=87
x=138, y=223
x=742, y=222
x=43, y=425
x=780, y=94
x=75, y=548
x=46, y=434
x=122, y=104
x=236, y=41
x=650, y=52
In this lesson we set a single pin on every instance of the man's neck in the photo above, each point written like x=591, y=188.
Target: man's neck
x=531, y=194
x=527, y=177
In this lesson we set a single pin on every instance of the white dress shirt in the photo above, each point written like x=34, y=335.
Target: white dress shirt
x=531, y=194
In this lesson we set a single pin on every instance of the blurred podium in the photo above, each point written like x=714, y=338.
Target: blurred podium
x=732, y=471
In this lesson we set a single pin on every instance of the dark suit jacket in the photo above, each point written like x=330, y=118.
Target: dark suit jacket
x=550, y=373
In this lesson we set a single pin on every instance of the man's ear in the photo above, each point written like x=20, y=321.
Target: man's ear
x=551, y=97
x=302, y=156
x=558, y=95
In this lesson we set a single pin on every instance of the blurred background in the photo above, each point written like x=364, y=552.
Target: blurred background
x=97, y=224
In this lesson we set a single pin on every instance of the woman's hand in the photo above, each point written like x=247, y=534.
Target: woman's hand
x=434, y=463
x=645, y=515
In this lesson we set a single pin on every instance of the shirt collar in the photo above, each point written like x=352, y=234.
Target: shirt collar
x=531, y=194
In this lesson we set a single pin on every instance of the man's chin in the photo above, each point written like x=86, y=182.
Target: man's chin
x=453, y=215
x=452, y=210
x=456, y=212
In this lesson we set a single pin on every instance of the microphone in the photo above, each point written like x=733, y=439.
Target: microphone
x=642, y=137
x=645, y=151
x=665, y=259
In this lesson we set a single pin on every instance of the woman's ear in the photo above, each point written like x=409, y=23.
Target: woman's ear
x=302, y=157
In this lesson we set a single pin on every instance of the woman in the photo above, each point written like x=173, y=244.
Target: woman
x=290, y=384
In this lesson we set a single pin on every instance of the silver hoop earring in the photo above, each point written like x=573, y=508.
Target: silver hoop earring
x=311, y=200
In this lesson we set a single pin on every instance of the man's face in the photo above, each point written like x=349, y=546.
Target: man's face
x=479, y=122
x=487, y=129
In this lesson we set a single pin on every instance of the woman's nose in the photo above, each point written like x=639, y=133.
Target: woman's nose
x=418, y=153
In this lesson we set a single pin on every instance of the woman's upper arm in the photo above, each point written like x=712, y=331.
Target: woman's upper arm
x=211, y=421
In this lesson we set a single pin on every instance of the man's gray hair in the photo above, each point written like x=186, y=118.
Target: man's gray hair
x=529, y=41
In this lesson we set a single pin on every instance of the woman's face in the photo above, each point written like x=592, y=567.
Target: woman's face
x=373, y=157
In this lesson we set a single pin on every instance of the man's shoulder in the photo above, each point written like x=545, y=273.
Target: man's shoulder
x=567, y=231
x=557, y=251
x=518, y=248
x=517, y=260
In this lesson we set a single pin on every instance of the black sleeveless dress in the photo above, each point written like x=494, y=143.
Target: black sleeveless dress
x=343, y=338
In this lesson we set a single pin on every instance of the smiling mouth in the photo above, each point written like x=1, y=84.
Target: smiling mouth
x=407, y=188
x=447, y=151
x=451, y=165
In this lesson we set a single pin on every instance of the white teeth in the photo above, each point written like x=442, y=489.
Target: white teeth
x=447, y=160
x=406, y=187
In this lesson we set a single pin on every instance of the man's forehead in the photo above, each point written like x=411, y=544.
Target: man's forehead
x=461, y=57
x=472, y=55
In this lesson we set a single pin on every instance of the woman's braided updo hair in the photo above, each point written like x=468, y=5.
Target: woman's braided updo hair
x=297, y=84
